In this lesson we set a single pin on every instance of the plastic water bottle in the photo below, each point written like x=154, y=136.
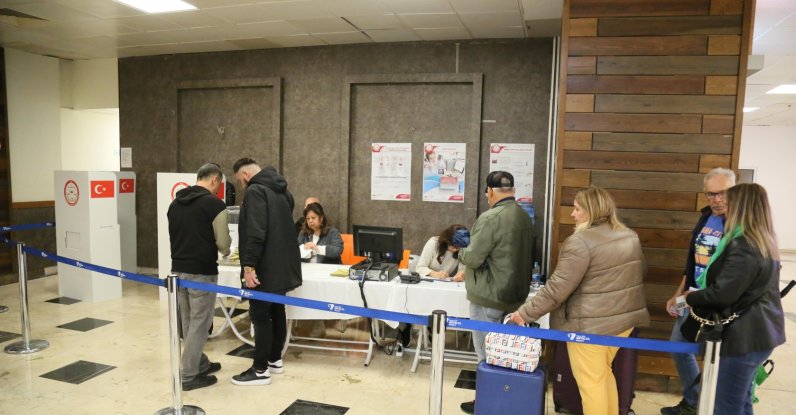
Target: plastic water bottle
x=536, y=276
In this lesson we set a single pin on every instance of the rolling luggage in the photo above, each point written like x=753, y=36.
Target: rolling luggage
x=565, y=389
x=506, y=391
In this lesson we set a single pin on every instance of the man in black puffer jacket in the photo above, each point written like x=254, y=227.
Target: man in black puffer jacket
x=270, y=261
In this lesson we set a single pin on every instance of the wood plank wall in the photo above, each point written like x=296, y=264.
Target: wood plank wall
x=651, y=99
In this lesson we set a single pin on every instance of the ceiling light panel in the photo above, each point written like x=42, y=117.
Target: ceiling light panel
x=158, y=6
x=783, y=89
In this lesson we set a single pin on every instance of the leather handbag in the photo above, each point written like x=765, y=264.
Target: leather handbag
x=696, y=327
x=513, y=351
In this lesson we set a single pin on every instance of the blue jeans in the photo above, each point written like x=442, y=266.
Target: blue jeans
x=481, y=313
x=686, y=365
x=734, y=387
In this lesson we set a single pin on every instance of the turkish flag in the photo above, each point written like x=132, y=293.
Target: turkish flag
x=126, y=185
x=102, y=188
x=222, y=192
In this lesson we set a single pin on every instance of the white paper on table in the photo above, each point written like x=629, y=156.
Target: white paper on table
x=305, y=253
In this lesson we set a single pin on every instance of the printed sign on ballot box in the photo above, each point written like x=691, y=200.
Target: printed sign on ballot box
x=126, y=185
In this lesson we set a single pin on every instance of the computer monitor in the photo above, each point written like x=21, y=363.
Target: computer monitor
x=378, y=243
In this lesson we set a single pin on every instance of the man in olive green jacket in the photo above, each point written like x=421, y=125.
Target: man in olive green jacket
x=498, y=259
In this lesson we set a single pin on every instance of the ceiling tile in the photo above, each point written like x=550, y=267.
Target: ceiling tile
x=303, y=9
x=101, y=8
x=194, y=47
x=498, y=32
x=443, y=33
x=255, y=44
x=265, y=29
x=323, y=25
x=777, y=41
x=203, y=4
x=381, y=21
x=481, y=6
x=53, y=12
x=241, y=14
x=139, y=39
x=355, y=7
x=427, y=20
x=297, y=41
x=393, y=35
x=418, y=6
x=542, y=9
x=147, y=23
x=92, y=28
x=194, y=18
x=343, y=38
x=491, y=19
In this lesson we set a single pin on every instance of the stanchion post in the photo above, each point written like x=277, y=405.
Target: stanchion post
x=437, y=322
x=710, y=377
x=26, y=346
x=176, y=373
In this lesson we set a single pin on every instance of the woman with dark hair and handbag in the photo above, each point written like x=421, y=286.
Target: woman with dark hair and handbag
x=597, y=287
x=741, y=288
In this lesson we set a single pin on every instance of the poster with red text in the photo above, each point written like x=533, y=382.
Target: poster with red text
x=516, y=159
x=390, y=172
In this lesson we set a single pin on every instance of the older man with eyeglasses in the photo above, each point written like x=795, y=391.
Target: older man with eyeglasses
x=704, y=239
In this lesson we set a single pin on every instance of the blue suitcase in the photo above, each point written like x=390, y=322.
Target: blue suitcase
x=505, y=391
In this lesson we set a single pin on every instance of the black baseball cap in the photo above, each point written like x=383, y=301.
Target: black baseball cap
x=499, y=179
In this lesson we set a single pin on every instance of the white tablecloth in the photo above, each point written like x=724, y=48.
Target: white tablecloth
x=318, y=284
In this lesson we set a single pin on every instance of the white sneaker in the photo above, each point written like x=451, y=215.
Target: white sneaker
x=251, y=378
x=277, y=367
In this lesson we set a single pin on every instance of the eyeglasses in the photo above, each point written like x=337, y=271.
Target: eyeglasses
x=716, y=195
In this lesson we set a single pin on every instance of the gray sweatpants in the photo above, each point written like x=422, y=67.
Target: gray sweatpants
x=196, y=315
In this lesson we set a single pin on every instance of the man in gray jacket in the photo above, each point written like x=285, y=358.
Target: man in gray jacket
x=197, y=230
x=498, y=259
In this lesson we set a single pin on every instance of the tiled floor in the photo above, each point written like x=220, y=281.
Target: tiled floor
x=136, y=347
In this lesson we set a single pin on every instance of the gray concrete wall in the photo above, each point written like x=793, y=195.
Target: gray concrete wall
x=317, y=88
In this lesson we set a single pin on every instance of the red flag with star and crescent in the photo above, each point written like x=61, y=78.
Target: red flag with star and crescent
x=102, y=188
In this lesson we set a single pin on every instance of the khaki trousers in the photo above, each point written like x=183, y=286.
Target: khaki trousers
x=591, y=366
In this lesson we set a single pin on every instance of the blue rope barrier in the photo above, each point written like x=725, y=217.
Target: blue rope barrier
x=453, y=322
x=26, y=227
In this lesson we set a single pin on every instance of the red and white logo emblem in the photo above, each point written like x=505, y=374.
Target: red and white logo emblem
x=102, y=189
x=177, y=187
x=71, y=193
x=126, y=185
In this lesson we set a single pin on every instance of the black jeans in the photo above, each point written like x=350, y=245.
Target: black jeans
x=270, y=331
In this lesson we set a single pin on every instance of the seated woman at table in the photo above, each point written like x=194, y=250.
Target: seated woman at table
x=320, y=242
x=440, y=257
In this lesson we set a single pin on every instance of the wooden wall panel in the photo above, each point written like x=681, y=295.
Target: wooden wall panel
x=663, y=143
x=598, y=8
x=667, y=65
x=636, y=199
x=583, y=27
x=672, y=182
x=669, y=26
x=611, y=160
x=648, y=45
x=630, y=84
x=665, y=86
x=665, y=104
x=634, y=123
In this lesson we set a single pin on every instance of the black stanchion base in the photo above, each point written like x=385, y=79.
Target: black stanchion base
x=3, y=309
x=186, y=410
x=32, y=346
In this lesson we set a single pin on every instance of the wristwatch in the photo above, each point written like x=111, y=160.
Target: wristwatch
x=248, y=269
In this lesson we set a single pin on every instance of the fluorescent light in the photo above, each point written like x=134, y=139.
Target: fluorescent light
x=158, y=6
x=783, y=89
x=750, y=109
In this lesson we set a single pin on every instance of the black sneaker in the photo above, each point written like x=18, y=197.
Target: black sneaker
x=277, y=367
x=468, y=407
x=250, y=377
x=199, y=381
x=213, y=368
x=682, y=408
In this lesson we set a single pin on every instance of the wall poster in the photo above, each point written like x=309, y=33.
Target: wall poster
x=443, y=172
x=516, y=159
x=390, y=171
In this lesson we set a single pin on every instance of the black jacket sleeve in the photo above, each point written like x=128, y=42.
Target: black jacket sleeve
x=256, y=227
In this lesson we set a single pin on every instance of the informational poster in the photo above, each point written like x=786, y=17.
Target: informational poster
x=516, y=159
x=391, y=171
x=443, y=172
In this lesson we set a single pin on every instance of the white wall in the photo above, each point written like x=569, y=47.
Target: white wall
x=771, y=151
x=95, y=83
x=34, y=124
x=90, y=139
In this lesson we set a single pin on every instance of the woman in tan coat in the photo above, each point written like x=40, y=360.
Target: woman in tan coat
x=597, y=288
